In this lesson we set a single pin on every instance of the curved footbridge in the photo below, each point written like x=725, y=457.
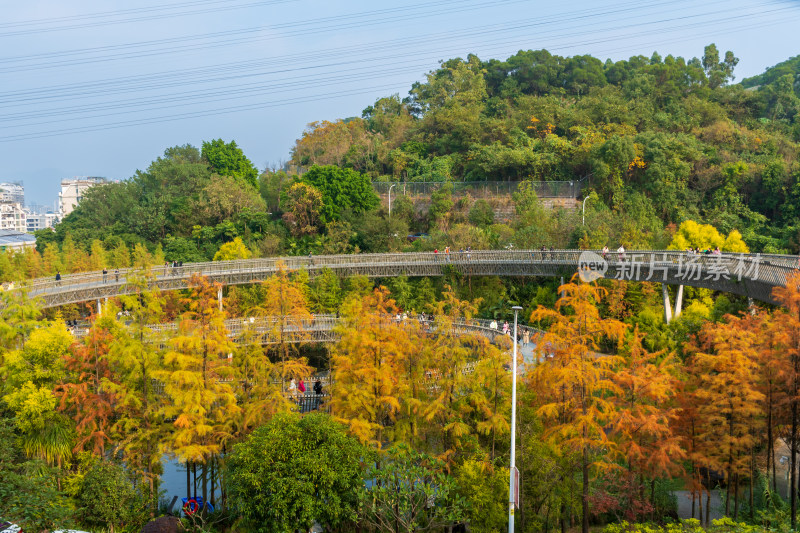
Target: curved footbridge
x=750, y=275
x=325, y=328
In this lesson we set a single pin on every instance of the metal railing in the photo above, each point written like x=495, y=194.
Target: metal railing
x=484, y=189
x=769, y=270
x=297, y=330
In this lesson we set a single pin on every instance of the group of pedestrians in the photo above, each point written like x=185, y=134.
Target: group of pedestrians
x=299, y=387
x=704, y=251
x=172, y=267
x=463, y=253
x=105, y=275
x=524, y=336
x=297, y=392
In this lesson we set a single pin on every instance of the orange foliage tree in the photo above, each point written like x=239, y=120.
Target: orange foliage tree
x=577, y=405
x=728, y=400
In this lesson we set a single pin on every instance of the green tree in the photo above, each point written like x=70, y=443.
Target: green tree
x=410, y=492
x=294, y=471
x=109, y=499
x=481, y=486
x=326, y=292
x=481, y=214
x=342, y=189
x=441, y=205
x=28, y=489
x=227, y=159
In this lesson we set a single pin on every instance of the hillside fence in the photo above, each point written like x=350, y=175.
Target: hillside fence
x=483, y=189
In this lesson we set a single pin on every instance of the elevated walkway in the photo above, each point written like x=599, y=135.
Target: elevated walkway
x=750, y=275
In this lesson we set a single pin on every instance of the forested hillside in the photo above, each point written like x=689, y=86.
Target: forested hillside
x=664, y=140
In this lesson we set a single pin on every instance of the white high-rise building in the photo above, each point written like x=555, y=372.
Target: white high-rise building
x=72, y=191
x=12, y=193
x=13, y=217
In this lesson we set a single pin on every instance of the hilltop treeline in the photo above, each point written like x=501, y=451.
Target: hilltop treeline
x=663, y=139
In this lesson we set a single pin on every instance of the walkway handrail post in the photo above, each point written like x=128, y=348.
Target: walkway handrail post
x=512, y=488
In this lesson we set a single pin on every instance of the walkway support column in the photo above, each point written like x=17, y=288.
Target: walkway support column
x=99, y=307
x=219, y=297
x=667, y=307
x=678, y=302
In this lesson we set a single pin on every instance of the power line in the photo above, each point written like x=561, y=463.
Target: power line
x=174, y=76
x=176, y=79
x=244, y=35
x=225, y=6
x=354, y=68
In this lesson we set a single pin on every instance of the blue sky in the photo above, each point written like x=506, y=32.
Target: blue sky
x=99, y=87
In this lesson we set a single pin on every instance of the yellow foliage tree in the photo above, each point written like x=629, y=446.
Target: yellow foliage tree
x=232, y=250
x=202, y=402
x=690, y=234
x=366, y=362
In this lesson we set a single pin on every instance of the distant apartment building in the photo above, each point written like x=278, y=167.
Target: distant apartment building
x=13, y=218
x=12, y=193
x=72, y=191
x=37, y=221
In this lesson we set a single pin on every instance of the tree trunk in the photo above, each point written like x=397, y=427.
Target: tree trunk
x=752, y=480
x=736, y=497
x=770, y=449
x=204, y=478
x=793, y=467
x=213, y=482
x=728, y=493
x=700, y=502
x=585, y=499
x=708, y=498
x=188, y=480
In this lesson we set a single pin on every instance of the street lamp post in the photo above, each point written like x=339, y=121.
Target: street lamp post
x=512, y=488
x=583, y=212
x=390, y=199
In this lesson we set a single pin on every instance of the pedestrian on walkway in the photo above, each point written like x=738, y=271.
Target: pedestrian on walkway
x=605, y=251
x=105, y=274
x=318, y=387
x=493, y=325
x=58, y=278
x=301, y=386
x=621, y=252
x=526, y=337
x=116, y=274
x=505, y=328
x=293, y=389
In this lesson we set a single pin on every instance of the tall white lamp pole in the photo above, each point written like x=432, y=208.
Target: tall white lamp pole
x=583, y=211
x=512, y=488
x=390, y=199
